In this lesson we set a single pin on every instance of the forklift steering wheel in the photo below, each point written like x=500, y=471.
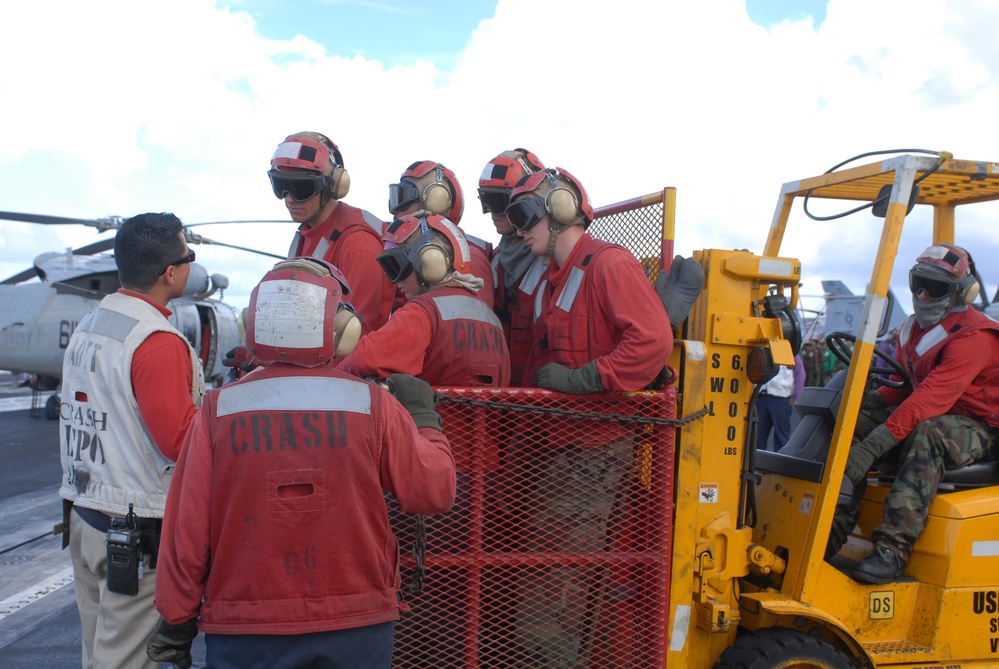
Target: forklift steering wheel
x=841, y=345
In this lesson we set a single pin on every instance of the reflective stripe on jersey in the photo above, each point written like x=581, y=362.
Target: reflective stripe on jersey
x=453, y=307
x=307, y=393
x=532, y=277
x=571, y=289
x=933, y=337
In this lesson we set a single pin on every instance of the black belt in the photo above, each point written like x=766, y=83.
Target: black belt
x=96, y=519
x=151, y=528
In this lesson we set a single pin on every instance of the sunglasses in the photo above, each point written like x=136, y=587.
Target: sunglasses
x=401, y=195
x=494, y=202
x=524, y=214
x=300, y=187
x=934, y=288
x=396, y=263
x=189, y=258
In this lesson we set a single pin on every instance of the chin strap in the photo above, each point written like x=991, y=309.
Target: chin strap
x=323, y=201
x=554, y=228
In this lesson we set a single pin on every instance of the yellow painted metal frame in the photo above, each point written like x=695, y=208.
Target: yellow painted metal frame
x=810, y=586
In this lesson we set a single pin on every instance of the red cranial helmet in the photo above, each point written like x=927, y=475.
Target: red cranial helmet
x=298, y=315
x=307, y=163
x=945, y=269
x=554, y=192
x=428, y=244
x=501, y=175
x=434, y=187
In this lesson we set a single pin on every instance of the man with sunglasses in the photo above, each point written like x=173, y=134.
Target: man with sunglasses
x=131, y=385
x=517, y=271
x=307, y=172
x=599, y=325
x=429, y=186
x=948, y=418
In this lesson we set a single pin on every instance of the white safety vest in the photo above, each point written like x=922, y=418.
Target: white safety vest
x=108, y=458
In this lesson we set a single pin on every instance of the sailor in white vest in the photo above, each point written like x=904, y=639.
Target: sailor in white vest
x=131, y=386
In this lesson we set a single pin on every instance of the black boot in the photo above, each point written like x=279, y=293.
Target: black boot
x=882, y=566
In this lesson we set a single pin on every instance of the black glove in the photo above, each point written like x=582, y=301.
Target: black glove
x=875, y=446
x=417, y=397
x=580, y=381
x=873, y=401
x=172, y=643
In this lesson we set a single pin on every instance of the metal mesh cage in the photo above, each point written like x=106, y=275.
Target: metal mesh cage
x=637, y=225
x=556, y=552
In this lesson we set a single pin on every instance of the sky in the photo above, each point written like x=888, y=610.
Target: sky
x=122, y=107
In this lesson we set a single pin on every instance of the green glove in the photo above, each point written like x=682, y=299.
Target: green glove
x=580, y=381
x=172, y=643
x=865, y=453
x=417, y=397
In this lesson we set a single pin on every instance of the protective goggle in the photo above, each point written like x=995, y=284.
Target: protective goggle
x=935, y=289
x=189, y=258
x=395, y=262
x=494, y=202
x=401, y=195
x=300, y=186
x=524, y=214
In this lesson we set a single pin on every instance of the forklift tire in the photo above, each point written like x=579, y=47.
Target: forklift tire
x=52, y=408
x=781, y=648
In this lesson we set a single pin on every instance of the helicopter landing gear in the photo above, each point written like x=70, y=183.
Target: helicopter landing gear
x=52, y=408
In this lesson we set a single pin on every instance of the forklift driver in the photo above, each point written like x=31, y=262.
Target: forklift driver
x=948, y=418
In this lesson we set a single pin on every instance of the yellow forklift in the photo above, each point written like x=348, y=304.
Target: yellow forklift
x=763, y=595
x=711, y=550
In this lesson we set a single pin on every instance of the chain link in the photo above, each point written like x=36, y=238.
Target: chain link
x=419, y=555
x=573, y=413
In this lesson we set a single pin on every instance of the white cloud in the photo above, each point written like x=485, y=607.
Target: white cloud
x=128, y=107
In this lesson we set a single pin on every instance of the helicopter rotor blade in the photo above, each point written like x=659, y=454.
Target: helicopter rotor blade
x=194, y=238
x=19, y=277
x=97, y=247
x=194, y=225
x=88, y=250
x=102, y=224
x=113, y=223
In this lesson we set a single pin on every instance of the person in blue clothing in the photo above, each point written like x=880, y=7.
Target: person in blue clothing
x=774, y=404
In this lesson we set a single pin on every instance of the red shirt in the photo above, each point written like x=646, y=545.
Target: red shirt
x=276, y=520
x=600, y=306
x=954, y=369
x=352, y=244
x=467, y=348
x=161, y=381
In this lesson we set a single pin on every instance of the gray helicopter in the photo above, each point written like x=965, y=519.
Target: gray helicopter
x=41, y=306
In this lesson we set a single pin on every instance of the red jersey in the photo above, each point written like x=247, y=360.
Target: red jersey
x=276, y=522
x=351, y=239
x=954, y=369
x=600, y=306
x=446, y=336
x=515, y=310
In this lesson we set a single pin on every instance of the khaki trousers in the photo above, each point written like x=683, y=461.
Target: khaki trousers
x=115, y=627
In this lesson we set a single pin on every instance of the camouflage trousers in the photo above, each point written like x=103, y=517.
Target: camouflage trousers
x=573, y=505
x=934, y=446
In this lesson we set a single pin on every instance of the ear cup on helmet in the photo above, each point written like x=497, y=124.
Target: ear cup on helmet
x=346, y=332
x=968, y=290
x=340, y=183
x=563, y=206
x=437, y=199
x=436, y=263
